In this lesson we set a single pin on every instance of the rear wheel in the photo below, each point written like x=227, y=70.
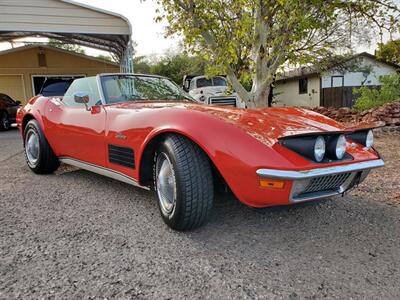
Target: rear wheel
x=4, y=121
x=39, y=156
x=184, y=183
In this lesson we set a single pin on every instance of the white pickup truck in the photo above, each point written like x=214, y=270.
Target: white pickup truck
x=211, y=91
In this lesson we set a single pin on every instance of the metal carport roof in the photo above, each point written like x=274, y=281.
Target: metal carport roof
x=69, y=22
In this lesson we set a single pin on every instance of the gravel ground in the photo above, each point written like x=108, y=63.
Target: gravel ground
x=77, y=235
x=384, y=184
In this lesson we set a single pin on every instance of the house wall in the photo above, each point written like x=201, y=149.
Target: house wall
x=286, y=93
x=355, y=78
x=18, y=67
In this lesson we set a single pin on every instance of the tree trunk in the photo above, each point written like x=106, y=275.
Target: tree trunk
x=261, y=96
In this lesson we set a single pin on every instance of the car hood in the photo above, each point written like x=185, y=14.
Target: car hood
x=267, y=124
x=270, y=124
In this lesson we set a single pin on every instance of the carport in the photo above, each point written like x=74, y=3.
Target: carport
x=70, y=23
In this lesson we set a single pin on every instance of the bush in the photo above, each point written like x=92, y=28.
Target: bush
x=369, y=98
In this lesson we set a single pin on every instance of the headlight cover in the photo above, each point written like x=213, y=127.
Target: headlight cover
x=319, y=149
x=341, y=146
x=363, y=137
x=336, y=146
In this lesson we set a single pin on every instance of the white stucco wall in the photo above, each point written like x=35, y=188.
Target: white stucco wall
x=377, y=69
x=287, y=93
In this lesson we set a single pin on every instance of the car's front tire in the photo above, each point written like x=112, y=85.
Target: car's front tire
x=183, y=182
x=38, y=153
x=4, y=121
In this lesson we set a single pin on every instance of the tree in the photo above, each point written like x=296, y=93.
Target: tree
x=105, y=57
x=141, y=65
x=389, y=52
x=175, y=66
x=251, y=40
x=68, y=47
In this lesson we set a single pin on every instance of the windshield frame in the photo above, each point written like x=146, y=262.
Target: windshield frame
x=102, y=89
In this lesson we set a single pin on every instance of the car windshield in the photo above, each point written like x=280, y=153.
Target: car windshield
x=215, y=81
x=219, y=81
x=121, y=88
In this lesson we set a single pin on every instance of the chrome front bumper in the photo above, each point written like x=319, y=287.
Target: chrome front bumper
x=323, y=182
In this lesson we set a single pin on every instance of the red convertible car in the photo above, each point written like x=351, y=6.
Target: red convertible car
x=145, y=131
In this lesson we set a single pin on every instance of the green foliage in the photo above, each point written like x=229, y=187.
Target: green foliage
x=389, y=52
x=255, y=38
x=105, y=57
x=369, y=97
x=174, y=66
x=141, y=65
x=68, y=47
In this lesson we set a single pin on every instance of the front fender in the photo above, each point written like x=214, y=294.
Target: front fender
x=236, y=154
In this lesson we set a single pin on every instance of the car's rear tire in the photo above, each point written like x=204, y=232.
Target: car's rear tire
x=183, y=182
x=4, y=121
x=38, y=153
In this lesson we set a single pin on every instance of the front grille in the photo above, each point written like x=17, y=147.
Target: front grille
x=224, y=101
x=326, y=183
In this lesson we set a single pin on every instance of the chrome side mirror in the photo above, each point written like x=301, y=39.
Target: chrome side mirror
x=82, y=98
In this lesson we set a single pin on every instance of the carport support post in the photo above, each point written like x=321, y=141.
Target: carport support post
x=126, y=64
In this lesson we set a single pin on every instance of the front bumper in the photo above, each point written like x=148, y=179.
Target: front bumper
x=322, y=182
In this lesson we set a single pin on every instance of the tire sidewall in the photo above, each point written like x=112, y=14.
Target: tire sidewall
x=34, y=126
x=174, y=218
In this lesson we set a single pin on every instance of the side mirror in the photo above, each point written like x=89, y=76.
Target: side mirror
x=82, y=98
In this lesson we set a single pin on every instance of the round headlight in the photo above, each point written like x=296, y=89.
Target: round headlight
x=369, y=141
x=319, y=149
x=340, y=147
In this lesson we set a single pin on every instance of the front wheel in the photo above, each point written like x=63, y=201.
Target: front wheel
x=39, y=155
x=184, y=183
x=4, y=121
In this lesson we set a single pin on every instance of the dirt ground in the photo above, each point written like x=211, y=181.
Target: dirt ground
x=383, y=184
x=78, y=235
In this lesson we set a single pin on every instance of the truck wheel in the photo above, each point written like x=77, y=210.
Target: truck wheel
x=184, y=183
x=39, y=156
x=4, y=121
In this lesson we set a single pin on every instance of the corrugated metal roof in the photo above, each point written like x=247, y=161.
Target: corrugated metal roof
x=67, y=21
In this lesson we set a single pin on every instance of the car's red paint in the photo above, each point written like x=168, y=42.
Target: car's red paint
x=237, y=141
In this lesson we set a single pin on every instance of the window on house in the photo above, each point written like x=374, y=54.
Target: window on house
x=303, y=86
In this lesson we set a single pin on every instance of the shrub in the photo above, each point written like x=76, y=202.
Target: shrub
x=369, y=98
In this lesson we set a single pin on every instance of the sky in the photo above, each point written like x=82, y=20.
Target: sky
x=148, y=34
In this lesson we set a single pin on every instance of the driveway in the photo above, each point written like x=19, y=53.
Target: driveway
x=79, y=235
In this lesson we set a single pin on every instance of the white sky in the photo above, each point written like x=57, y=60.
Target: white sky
x=148, y=34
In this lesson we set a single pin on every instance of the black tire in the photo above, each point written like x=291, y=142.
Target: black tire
x=46, y=162
x=193, y=183
x=4, y=121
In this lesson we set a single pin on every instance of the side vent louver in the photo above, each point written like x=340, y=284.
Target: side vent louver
x=122, y=156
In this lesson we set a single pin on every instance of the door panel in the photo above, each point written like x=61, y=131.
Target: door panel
x=75, y=132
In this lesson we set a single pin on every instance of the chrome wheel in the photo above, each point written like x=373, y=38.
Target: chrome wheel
x=32, y=149
x=166, y=184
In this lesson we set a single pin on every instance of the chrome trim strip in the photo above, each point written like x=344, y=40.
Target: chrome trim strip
x=101, y=171
x=305, y=174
